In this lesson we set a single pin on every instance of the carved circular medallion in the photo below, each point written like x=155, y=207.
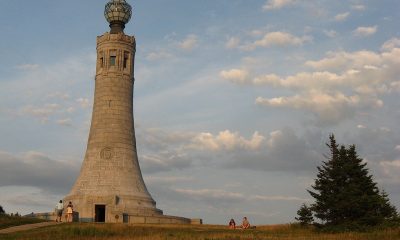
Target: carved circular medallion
x=106, y=153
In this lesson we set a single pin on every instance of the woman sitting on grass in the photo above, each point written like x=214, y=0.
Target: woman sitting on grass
x=232, y=224
x=245, y=223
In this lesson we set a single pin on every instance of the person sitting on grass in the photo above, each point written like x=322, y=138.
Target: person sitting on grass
x=232, y=224
x=245, y=223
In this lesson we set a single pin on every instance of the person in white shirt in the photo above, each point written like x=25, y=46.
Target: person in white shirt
x=59, y=210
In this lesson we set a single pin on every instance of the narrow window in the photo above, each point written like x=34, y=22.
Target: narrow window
x=126, y=57
x=101, y=59
x=113, y=57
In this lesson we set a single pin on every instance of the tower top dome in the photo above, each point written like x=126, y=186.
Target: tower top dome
x=117, y=13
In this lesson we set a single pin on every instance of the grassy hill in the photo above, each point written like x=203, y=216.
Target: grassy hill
x=80, y=231
x=8, y=221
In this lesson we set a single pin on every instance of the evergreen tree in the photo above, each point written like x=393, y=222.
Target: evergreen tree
x=305, y=215
x=345, y=193
x=2, y=210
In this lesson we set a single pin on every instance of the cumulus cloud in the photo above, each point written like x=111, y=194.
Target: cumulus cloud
x=167, y=151
x=342, y=16
x=342, y=85
x=226, y=140
x=280, y=39
x=365, y=31
x=391, y=44
x=283, y=151
x=239, y=76
x=277, y=4
x=36, y=169
x=329, y=108
x=189, y=43
x=339, y=61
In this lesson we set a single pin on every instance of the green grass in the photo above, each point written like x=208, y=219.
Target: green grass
x=8, y=221
x=80, y=231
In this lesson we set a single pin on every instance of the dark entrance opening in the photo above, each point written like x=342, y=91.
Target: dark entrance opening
x=100, y=213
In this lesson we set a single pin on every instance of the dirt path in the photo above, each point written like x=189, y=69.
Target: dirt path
x=27, y=227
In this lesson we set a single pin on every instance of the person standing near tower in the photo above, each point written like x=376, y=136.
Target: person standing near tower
x=70, y=211
x=59, y=210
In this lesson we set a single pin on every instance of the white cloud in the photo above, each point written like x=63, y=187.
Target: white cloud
x=342, y=16
x=277, y=39
x=329, y=108
x=277, y=4
x=189, y=43
x=226, y=140
x=239, y=76
x=166, y=151
x=391, y=44
x=28, y=67
x=345, y=83
x=338, y=61
x=360, y=126
x=365, y=31
x=269, y=79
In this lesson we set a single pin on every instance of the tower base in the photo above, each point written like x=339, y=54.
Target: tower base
x=120, y=209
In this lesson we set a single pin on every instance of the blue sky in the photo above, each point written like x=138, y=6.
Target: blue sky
x=234, y=99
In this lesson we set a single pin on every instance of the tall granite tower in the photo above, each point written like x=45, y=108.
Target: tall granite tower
x=110, y=187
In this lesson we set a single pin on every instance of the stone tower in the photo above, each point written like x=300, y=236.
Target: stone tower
x=110, y=187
